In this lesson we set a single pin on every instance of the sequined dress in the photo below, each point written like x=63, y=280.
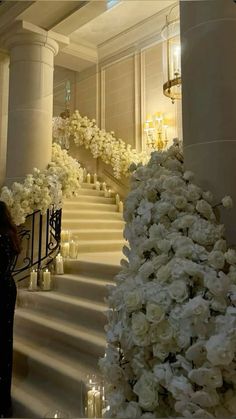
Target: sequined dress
x=7, y=307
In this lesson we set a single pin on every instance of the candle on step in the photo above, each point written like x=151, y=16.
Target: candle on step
x=84, y=174
x=90, y=403
x=95, y=178
x=88, y=178
x=46, y=280
x=33, y=280
x=109, y=193
x=65, y=236
x=106, y=193
x=65, y=247
x=117, y=199
x=97, y=186
x=121, y=206
x=72, y=249
x=59, y=265
x=104, y=186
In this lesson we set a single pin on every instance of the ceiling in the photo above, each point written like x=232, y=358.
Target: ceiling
x=90, y=26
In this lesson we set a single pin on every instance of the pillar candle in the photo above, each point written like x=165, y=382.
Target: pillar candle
x=97, y=404
x=88, y=178
x=84, y=174
x=104, y=186
x=97, y=186
x=117, y=199
x=33, y=280
x=72, y=250
x=46, y=280
x=59, y=265
x=65, y=247
x=65, y=235
x=106, y=193
x=90, y=403
x=121, y=206
x=109, y=193
x=95, y=178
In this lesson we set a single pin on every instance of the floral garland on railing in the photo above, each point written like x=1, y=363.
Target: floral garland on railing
x=105, y=145
x=41, y=189
x=172, y=319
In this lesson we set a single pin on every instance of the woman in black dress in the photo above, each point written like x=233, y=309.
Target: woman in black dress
x=9, y=248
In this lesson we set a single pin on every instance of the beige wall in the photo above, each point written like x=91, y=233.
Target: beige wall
x=121, y=92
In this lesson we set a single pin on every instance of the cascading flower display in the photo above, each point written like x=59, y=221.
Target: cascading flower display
x=41, y=189
x=171, y=333
x=85, y=132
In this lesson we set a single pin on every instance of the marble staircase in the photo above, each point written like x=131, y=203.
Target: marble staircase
x=59, y=335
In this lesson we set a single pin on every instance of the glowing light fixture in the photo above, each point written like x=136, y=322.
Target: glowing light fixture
x=155, y=129
x=172, y=55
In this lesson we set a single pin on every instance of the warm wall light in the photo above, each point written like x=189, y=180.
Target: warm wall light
x=172, y=55
x=155, y=130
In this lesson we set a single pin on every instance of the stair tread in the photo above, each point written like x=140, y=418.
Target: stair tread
x=52, y=359
x=63, y=327
x=87, y=280
x=98, y=230
x=76, y=301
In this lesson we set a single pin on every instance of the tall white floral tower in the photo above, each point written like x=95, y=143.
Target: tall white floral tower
x=172, y=319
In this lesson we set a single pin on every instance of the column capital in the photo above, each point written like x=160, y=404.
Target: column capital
x=23, y=33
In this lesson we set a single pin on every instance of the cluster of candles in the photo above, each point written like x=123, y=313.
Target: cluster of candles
x=103, y=186
x=42, y=278
x=96, y=403
x=69, y=247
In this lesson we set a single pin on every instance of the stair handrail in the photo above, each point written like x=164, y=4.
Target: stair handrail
x=40, y=238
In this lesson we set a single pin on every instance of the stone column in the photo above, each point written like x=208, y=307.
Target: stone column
x=4, y=89
x=30, y=103
x=208, y=34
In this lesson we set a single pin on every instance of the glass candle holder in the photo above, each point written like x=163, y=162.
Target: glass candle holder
x=65, y=250
x=59, y=265
x=57, y=414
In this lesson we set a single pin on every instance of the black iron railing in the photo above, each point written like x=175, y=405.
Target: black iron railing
x=40, y=239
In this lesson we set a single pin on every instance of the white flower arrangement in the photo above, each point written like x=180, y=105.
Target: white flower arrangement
x=41, y=189
x=171, y=333
x=105, y=145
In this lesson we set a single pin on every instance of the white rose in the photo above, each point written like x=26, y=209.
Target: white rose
x=132, y=410
x=230, y=256
x=133, y=300
x=220, y=245
x=227, y=202
x=162, y=332
x=220, y=350
x=194, y=192
x=163, y=374
x=205, y=209
x=140, y=325
x=159, y=352
x=210, y=377
x=146, y=390
x=188, y=175
x=216, y=259
x=180, y=202
x=205, y=398
x=231, y=404
x=178, y=291
x=154, y=313
x=196, y=306
x=207, y=196
x=180, y=386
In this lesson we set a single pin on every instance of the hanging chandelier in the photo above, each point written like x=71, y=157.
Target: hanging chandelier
x=172, y=55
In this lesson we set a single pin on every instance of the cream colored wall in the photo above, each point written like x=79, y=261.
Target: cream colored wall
x=120, y=92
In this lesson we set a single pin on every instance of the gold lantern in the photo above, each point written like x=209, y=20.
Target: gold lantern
x=172, y=55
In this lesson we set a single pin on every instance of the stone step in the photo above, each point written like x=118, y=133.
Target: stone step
x=93, y=289
x=91, y=206
x=85, y=246
x=57, y=306
x=38, y=328
x=85, y=185
x=75, y=202
x=68, y=224
x=53, y=373
x=91, y=235
x=89, y=265
x=90, y=192
x=81, y=214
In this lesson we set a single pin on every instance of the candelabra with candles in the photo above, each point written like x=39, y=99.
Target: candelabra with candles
x=155, y=129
